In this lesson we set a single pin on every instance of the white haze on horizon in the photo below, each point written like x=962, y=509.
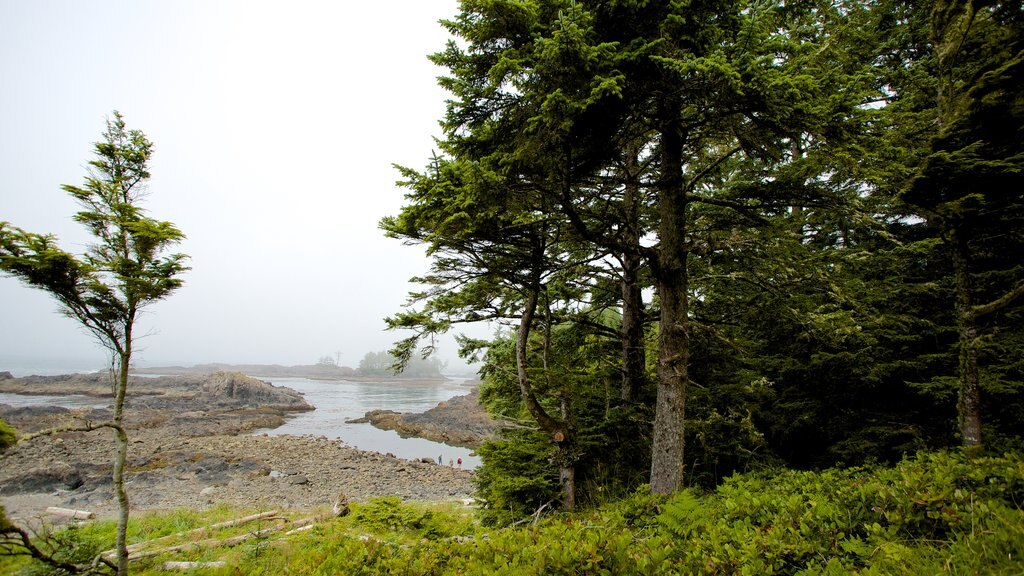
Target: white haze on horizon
x=275, y=127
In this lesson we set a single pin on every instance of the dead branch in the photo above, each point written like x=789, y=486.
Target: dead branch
x=205, y=544
x=16, y=541
x=87, y=427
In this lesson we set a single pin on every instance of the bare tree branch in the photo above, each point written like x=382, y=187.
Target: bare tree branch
x=86, y=427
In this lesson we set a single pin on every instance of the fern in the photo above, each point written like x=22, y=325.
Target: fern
x=683, y=514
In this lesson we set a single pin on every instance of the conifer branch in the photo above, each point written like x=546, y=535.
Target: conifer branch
x=999, y=303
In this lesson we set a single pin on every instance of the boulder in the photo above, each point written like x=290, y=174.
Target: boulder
x=237, y=388
x=57, y=476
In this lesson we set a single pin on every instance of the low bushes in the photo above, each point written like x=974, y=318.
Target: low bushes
x=931, y=514
x=935, y=513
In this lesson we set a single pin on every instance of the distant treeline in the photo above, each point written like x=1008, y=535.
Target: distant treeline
x=383, y=364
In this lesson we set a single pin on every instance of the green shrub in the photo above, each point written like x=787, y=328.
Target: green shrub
x=516, y=478
x=924, y=512
x=75, y=544
x=8, y=436
x=389, y=514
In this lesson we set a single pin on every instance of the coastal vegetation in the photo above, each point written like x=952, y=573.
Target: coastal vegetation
x=8, y=436
x=725, y=236
x=382, y=363
x=935, y=513
x=756, y=270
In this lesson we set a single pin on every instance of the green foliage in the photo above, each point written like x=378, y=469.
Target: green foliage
x=882, y=521
x=385, y=364
x=516, y=478
x=611, y=444
x=388, y=514
x=8, y=435
x=934, y=513
x=79, y=544
x=126, y=269
x=803, y=132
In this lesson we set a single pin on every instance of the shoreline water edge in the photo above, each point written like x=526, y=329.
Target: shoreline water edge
x=193, y=445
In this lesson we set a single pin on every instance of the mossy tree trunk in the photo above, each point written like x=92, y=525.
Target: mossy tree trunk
x=671, y=277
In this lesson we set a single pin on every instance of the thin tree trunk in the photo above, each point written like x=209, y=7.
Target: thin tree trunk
x=633, y=353
x=969, y=398
x=558, y=431
x=121, y=458
x=667, y=457
x=566, y=459
x=634, y=356
x=567, y=479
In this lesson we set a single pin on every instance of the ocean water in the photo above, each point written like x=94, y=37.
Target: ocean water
x=21, y=366
x=338, y=401
x=335, y=402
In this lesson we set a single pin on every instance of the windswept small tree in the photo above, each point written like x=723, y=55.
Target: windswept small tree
x=106, y=288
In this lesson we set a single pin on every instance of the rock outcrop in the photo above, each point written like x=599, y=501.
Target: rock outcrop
x=202, y=391
x=237, y=388
x=225, y=402
x=460, y=421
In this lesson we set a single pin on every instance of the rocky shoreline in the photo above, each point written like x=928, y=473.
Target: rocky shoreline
x=460, y=421
x=188, y=450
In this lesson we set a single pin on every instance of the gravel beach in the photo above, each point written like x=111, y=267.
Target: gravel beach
x=189, y=449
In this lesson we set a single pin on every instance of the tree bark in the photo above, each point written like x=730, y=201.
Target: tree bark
x=634, y=358
x=672, y=283
x=567, y=479
x=557, y=431
x=969, y=396
x=121, y=457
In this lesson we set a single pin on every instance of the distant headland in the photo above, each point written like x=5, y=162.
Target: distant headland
x=320, y=371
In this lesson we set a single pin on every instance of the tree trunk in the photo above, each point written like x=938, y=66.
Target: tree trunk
x=567, y=479
x=671, y=281
x=969, y=397
x=557, y=431
x=121, y=457
x=634, y=358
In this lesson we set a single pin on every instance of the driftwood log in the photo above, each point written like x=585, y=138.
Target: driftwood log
x=146, y=550
x=133, y=550
x=166, y=566
x=68, y=512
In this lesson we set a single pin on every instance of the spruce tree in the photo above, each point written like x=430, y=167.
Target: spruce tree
x=123, y=272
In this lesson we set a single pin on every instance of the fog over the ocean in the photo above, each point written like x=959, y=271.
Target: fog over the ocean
x=275, y=126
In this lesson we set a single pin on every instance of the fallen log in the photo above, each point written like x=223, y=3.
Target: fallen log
x=68, y=512
x=205, y=530
x=297, y=526
x=167, y=566
x=204, y=544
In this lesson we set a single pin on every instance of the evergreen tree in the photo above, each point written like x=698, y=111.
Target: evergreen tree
x=124, y=271
x=970, y=186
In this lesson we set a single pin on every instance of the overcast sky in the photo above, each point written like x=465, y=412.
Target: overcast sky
x=275, y=127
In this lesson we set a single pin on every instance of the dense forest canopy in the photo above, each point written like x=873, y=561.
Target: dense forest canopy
x=726, y=234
